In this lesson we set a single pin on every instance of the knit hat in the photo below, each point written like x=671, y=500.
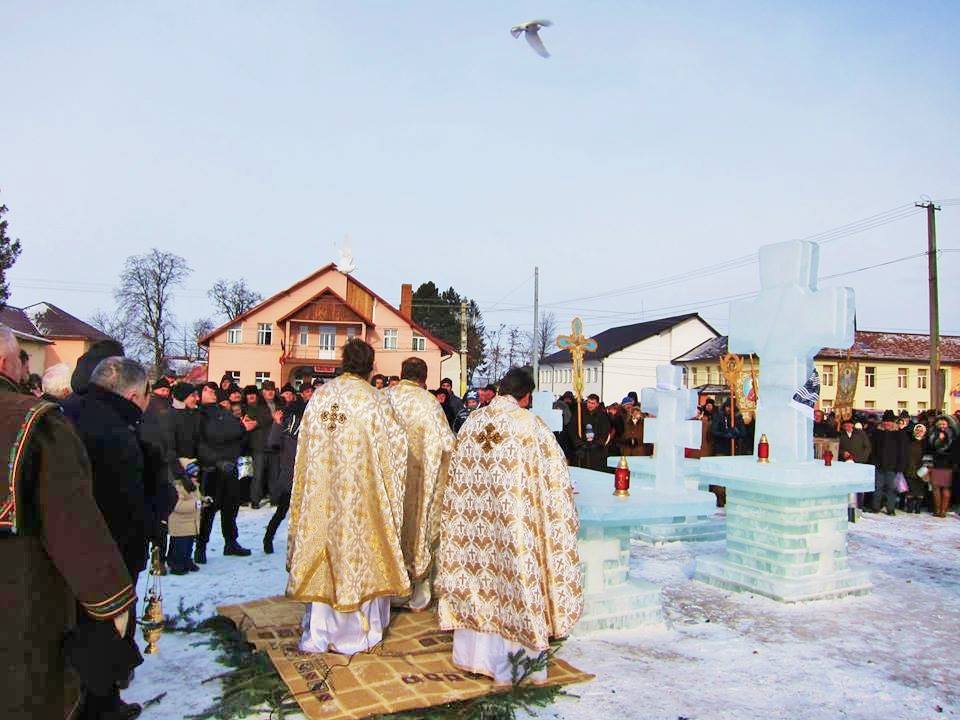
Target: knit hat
x=268, y=385
x=161, y=383
x=181, y=391
x=889, y=416
x=288, y=388
x=627, y=400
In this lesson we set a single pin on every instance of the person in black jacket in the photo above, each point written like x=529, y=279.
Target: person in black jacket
x=106, y=416
x=256, y=410
x=283, y=441
x=589, y=440
x=890, y=450
x=222, y=438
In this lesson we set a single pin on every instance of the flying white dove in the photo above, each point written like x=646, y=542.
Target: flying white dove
x=530, y=29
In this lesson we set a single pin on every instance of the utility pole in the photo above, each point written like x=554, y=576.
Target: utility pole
x=936, y=392
x=536, y=328
x=463, y=348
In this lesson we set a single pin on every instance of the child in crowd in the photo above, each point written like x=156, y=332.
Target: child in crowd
x=184, y=522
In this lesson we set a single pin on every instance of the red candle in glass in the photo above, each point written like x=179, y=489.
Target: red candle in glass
x=621, y=478
x=763, y=449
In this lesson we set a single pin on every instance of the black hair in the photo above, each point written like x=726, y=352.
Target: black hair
x=517, y=383
x=358, y=357
x=414, y=369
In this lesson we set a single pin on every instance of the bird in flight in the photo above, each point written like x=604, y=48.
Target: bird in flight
x=531, y=29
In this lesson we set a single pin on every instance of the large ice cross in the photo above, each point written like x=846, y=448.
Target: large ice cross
x=788, y=323
x=672, y=430
x=578, y=344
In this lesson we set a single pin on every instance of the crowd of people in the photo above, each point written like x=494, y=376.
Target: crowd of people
x=151, y=465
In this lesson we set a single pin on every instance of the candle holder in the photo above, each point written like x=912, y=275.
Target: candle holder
x=763, y=449
x=621, y=479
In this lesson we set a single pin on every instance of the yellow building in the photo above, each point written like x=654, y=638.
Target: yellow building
x=893, y=370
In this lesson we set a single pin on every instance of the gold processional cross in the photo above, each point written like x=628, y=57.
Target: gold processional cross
x=489, y=437
x=578, y=344
x=333, y=416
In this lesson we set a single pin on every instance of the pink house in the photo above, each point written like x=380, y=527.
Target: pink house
x=299, y=332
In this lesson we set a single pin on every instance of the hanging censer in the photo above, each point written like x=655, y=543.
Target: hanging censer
x=152, y=621
x=621, y=478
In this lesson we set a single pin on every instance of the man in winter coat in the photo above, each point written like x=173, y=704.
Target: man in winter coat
x=131, y=496
x=589, y=439
x=889, y=458
x=257, y=411
x=56, y=552
x=854, y=443
x=221, y=440
x=282, y=441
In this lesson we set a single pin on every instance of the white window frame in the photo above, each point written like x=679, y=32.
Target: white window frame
x=260, y=376
x=922, y=375
x=870, y=404
x=352, y=332
x=264, y=332
x=419, y=343
x=921, y=406
x=234, y=374
x=327, y=338
x=391, y=338
x=903, y=378
x=901, y=404
x=828, y=375
x=303, y=335
x=869, y=376
x=235, y=334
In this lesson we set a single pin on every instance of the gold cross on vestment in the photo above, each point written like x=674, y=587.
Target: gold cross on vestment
x=489, y=437
x=333, y=416
x=578, y=344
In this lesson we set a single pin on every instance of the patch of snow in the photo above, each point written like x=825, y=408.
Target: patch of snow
x=891, y=654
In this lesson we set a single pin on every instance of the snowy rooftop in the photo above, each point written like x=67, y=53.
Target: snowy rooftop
x=867, y=345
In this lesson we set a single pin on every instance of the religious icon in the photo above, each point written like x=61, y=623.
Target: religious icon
x=847, y=372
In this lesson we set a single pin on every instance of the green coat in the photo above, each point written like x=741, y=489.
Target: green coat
x=55, y=551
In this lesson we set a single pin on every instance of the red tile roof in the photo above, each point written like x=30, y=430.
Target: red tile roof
x=54, y=322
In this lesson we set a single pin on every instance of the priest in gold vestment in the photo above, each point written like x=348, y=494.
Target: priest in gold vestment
x=429, y=442
x=346, y=511
x=509, y=572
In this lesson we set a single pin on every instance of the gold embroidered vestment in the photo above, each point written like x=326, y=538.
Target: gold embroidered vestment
x=508, y=560
x=429, y=443
x=346, y=508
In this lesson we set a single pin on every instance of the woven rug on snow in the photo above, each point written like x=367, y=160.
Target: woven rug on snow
x=412, y=668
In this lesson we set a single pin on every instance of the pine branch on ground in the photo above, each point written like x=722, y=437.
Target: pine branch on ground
x=251, y=685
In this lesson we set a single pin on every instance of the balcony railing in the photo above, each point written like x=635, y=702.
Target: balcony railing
x=312, y=352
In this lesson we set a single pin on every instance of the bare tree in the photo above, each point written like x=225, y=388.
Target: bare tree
x=190, y=348
x=145, y=297
x=233, y=299
x=116, y=327
x=495, y=354
x=515, y=347
x=546, y=336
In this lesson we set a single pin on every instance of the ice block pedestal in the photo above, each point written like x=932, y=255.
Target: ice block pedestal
x=692, y=528
x=786, y=528
x=612, y=599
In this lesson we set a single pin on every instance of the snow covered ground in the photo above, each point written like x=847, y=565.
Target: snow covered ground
x=894, y=653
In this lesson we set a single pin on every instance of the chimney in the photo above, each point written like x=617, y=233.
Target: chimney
x=406, y=301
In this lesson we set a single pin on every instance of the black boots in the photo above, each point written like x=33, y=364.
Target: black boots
x=268, y=545
x=234, y=548
x=200, y=553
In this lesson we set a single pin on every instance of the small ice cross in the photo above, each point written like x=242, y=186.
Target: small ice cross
x=543, y=409
x=788, y=323
x=672, y=430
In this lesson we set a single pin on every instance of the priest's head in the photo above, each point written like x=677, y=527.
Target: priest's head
x=358, y=358
x=414, y=369
x=518, y=383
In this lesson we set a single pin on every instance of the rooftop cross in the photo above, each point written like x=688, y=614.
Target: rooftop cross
x=672, y=430
x=788, y=323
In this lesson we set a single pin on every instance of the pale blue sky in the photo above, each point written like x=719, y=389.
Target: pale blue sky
x=250, y=137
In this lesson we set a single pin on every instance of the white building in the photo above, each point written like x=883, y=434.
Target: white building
x=627, y=356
